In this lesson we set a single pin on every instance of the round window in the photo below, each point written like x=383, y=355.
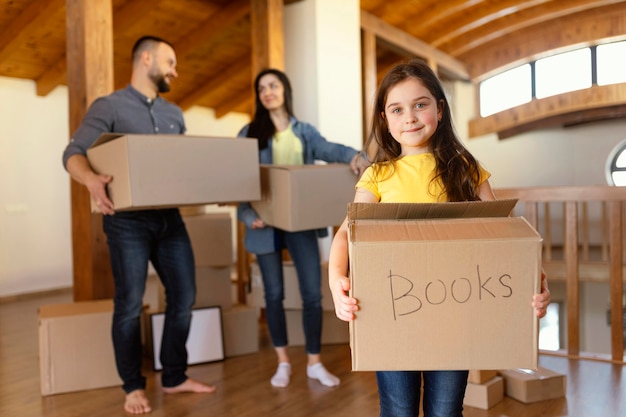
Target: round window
x=616, y=165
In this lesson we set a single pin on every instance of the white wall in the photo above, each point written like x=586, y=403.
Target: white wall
x=35, y=251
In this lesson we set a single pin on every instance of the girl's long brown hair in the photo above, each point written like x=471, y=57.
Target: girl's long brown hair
x=456, y=168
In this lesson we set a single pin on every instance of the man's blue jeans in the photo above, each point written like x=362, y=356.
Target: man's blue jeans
x=399, y=393
x=134, y=238
x=304, y=250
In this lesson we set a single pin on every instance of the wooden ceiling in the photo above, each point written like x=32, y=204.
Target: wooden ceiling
x=213, y=45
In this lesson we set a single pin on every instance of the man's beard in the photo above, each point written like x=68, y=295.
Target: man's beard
x=160, y=81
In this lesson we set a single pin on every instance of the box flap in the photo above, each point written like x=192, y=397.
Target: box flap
x=106, y=137
x=429, y=230
x=300, y=168
x=403, y=211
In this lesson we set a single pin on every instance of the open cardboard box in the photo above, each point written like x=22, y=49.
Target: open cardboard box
x=443, y=286
x=158, y=171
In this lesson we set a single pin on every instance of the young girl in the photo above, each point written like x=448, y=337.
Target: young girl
x=285, y=140
x=418, y=158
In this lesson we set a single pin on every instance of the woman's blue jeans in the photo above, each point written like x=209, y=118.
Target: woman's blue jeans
x=399, y=393
x=304, y=250
x=134, y=238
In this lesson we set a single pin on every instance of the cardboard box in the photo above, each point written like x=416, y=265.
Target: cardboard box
x=530, y=386
x=305, y=197
x=205, y=342
x=157, y=171
x=484, y=396
x=481, y=376
x=75, y=347
x=211, y=238
x=213, y=287
x=241, y=330
x=441, y=293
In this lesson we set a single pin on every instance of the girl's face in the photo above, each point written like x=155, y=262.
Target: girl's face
x=412, y=115
x=271, y=92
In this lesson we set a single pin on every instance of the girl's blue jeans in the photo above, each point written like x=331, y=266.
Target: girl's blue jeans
x=399, y=393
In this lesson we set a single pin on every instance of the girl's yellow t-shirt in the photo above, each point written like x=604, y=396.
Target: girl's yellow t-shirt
x=407, y=181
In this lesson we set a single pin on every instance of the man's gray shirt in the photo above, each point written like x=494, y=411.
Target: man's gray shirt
x=125, y=111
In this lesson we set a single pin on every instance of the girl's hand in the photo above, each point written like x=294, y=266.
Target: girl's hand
x=345, y=306
x=542, y=300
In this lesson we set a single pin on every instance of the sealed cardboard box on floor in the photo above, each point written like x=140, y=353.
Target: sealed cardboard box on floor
x=305, y=197
x=241, y=330
x=75, y=347
x=481, y=376
x=443, y=286
x=530, y=386
x=151, y=171
x=484, y=395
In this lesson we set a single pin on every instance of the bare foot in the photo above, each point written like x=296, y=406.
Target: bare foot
x=137, y=402
x=189, y=385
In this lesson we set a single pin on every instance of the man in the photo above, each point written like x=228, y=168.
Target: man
x=136, y=237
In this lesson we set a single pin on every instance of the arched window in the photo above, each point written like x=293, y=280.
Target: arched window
x=616, y=165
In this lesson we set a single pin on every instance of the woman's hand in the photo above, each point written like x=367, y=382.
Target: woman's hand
x=358, y=164
x=258, y=224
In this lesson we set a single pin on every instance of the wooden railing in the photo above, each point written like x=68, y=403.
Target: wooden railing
x=576, y=264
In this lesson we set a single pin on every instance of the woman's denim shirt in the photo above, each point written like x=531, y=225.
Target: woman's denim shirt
x=315, y=147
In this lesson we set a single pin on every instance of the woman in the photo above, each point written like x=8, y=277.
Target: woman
x=287, y=141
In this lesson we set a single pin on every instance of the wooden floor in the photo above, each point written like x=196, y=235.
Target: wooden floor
x=595, y=389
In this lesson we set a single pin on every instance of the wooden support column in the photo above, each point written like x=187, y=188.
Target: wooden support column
x=89, y=27
x=268, y=50
x=268, y=36
x=369, y=72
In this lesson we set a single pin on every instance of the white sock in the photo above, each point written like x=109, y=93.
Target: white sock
x=281, y=377
x=320, y=373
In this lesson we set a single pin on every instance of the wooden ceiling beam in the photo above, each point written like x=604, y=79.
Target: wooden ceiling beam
x=125, y=16
x=54, y=76
x=212, y=84
x=268, y=37
x=16, y=33
x=515, y=43
x=236, y=101
x=234, y=11
x=413, y=45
